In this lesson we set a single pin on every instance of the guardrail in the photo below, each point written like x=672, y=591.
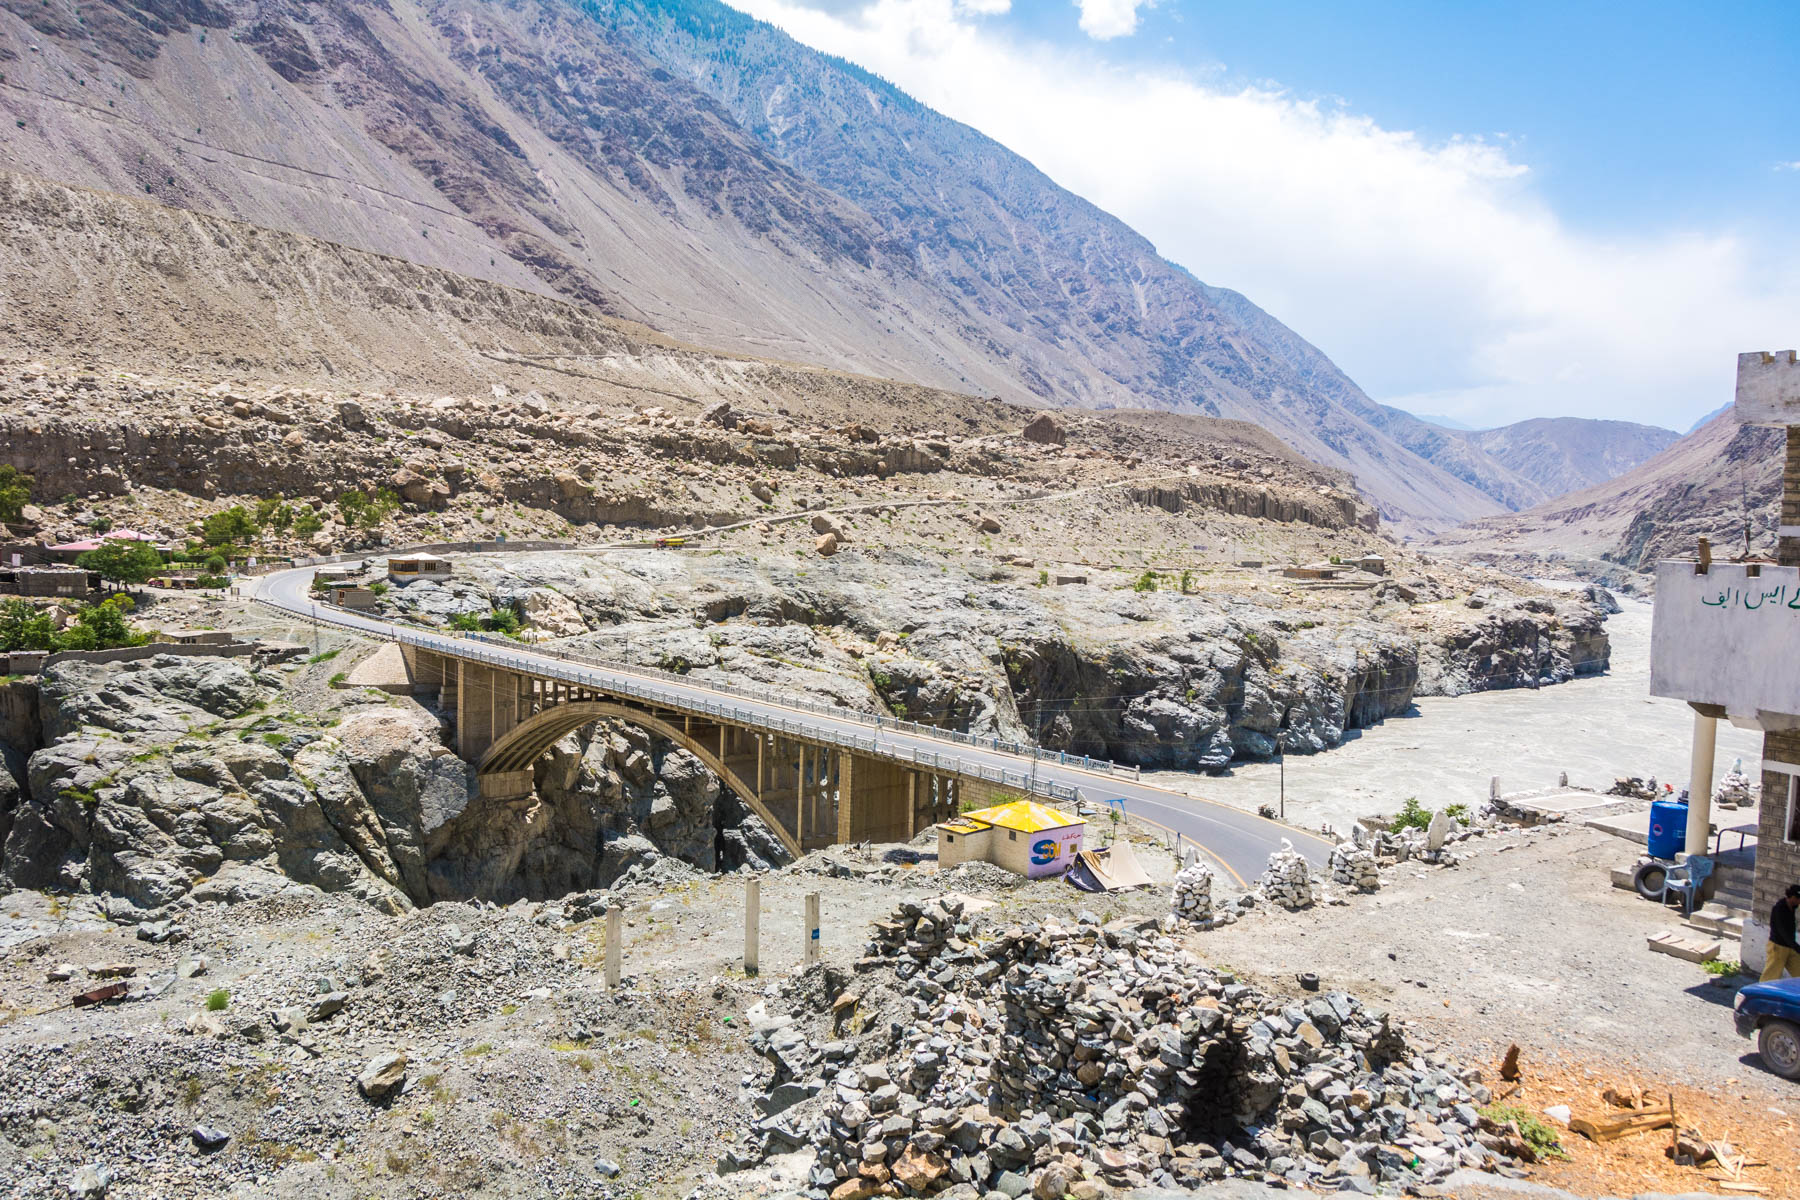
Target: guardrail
x=637, y=682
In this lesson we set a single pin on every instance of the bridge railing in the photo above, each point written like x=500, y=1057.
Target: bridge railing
x=640, y=682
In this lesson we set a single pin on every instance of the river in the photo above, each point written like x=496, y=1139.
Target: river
x=1596, y=729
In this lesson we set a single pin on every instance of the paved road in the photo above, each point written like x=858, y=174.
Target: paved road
x=1237, y=841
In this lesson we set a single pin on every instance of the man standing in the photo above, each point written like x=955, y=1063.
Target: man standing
x=1783, y=955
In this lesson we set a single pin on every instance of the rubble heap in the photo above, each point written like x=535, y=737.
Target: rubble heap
x=1191, y=896
x=1288, y=880
x=1354, y=867
x=1062, y=1060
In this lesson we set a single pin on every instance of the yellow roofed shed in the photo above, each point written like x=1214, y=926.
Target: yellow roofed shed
x=1023, y=836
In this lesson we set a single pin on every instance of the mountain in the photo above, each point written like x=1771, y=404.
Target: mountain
x=1531, y=462
x=674, y=163
x=1723, y=481
x=1446, y=422
x=1565, y=454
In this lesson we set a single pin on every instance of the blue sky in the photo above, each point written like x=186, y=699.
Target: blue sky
x=1643, y=114
x=1491, y=211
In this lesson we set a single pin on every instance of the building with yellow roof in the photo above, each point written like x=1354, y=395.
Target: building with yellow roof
x=1023, y=836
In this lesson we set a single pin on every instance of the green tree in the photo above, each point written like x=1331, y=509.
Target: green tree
x=15, y=493
x=234, y=524
x=368, y=512
x=307, y=523
x=122, y=561
x=23, y=626
x=101, y=627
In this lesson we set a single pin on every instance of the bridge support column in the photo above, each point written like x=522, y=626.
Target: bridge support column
x=487, y=707
x=875, y=801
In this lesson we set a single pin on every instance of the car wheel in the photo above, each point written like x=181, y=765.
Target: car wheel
x=1779, y=1044
x=1649, y=880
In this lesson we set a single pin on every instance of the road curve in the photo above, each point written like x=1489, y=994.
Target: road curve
x=1238, y=842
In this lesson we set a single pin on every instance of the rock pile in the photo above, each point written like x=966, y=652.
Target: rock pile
x=1191, y=896
x=1063, y=1061
x=1288, y=880
x=1354, y=867
x=1736, y=791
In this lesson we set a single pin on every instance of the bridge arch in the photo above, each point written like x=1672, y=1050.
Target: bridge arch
x=526, y=742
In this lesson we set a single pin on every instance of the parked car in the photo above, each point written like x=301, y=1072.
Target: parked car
x=1771, y=1011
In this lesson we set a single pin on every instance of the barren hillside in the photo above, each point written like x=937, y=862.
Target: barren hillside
x=580, y=152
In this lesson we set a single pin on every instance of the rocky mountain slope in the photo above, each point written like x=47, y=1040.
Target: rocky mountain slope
x=604, y=155
x=1530, y=462
x=1722, y=481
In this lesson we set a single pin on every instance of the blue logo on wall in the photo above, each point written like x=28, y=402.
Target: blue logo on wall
x=1044, y=851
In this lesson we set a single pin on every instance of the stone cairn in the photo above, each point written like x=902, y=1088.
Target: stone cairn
x=1067, y=1061
x=1354, y=867
x=1735, y=790
x=1288, y=881
x=1191, y=897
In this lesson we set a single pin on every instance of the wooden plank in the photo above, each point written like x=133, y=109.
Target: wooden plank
x=1606, y=1129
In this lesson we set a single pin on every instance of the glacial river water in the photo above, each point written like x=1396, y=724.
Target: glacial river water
x=1595, y=729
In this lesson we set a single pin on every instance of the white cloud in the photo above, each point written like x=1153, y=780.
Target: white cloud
x=1787, y=166
x=1432, y=273
x=1104, y=19
x=984, y=8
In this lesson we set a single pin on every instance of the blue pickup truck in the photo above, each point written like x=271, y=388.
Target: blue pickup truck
x=1771, y=1011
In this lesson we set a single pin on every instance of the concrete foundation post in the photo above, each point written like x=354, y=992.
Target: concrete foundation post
x=1700, y=782
x=752, y=924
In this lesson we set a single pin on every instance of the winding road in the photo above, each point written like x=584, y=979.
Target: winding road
x=1238, y=842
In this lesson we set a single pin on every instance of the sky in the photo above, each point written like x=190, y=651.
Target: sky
x=1484, y=210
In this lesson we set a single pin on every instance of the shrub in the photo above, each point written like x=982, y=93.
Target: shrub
x=1411, y=815
x=1721, y=966
x=1457, y=812
x=1145, y=582
x=234, y=524
x=15, y=493
x=217, y=999
x=1540, y=1137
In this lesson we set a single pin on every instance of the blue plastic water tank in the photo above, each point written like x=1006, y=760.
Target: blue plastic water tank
x=1668, y=828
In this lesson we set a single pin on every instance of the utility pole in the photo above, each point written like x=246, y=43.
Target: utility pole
x=1281, y=758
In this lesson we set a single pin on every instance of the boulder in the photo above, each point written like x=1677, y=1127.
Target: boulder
x=381, y=1075
x=1045, y=430
x=826, y=545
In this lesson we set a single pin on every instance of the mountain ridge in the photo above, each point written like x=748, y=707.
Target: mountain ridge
x=727, y=193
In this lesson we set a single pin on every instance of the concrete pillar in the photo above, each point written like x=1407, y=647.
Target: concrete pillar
x=1700, y=782
x=752, y=924
x=800, y=801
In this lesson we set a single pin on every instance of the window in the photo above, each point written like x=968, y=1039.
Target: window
x=1792, y=833
x=1012, y=835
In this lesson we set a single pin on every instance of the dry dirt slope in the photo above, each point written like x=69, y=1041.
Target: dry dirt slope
x=532, y=144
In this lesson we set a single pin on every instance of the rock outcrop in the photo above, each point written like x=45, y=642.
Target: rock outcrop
x=170, y=777
x=1156, y=678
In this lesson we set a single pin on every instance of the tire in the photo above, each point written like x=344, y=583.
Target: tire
x=1649, y=880
x=1779, y=1044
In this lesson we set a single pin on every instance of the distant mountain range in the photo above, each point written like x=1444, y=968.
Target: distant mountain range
x=676, y=163
x=1526, y=463
x=1723, y=481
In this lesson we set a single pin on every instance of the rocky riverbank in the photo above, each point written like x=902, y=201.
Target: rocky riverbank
x=1231, y=668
